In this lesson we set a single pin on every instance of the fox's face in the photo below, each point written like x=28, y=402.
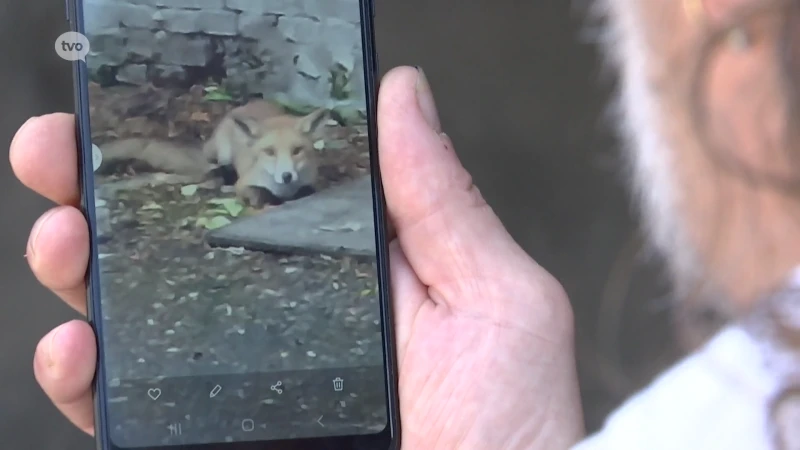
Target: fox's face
x=284, y=148
x=284, y=153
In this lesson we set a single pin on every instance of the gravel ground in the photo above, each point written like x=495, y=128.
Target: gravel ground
x=173, y=306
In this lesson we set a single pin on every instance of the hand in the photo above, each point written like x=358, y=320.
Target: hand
x=484, y=334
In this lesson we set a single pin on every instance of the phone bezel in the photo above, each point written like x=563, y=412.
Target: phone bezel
x=389, y=438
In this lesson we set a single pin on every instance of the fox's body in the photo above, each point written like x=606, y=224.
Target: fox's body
x=158, y=154
x=271, y=152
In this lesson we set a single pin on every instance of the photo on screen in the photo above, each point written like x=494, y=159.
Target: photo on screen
x=235, y=225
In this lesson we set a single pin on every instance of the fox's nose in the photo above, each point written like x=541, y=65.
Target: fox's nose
x=287, y=177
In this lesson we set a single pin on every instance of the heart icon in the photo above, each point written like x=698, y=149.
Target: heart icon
x=154, y=393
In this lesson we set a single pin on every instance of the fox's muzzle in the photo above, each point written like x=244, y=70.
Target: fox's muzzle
x=285, y=170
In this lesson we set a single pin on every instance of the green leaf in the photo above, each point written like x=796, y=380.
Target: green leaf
x=216, y=211
x=189, y=190
x=235, y=209
x=231, y=205
x=217, y=222
x=292, y=107
x=217, y=96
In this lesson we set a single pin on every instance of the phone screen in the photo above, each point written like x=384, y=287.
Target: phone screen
x=236, y=286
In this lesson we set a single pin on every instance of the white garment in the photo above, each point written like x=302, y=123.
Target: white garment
x=720, y=397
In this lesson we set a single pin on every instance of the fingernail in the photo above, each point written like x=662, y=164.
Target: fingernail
x=50, y=358
x=426, y=103
x=37, y=228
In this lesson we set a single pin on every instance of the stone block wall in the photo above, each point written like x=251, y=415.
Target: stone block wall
x=303, y=52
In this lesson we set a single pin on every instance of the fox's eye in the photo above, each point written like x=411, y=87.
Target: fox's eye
x=270, y=151
x=296, y=151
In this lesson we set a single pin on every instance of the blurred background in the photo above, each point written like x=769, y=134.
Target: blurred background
x=521, y=93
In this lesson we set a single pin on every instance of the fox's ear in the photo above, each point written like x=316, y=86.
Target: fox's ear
x=312, y=123
x=245, y=125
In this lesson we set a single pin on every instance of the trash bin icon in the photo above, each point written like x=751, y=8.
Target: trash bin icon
x=338, y=384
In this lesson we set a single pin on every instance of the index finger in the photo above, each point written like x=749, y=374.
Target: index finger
x=44, y=157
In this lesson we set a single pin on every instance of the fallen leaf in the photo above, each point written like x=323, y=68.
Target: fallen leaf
x=231, y=205
x=151, y=206
x=350, y=226
x=217, y=211
x=189, y=190
x=200, y=116
x=225, y=307
x=234, y=209
x=217, y=222
x=217, y=96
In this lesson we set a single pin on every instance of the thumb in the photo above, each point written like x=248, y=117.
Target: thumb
x=447, y=231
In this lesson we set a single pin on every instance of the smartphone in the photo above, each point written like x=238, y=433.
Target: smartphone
x=238, y=282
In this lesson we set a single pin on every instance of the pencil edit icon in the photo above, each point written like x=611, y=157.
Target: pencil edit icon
x=215, y=391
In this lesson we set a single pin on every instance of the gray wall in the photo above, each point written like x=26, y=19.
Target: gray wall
x=313, y=58
x=518, y=94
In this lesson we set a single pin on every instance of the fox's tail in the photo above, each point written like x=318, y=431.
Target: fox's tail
x=158, y=155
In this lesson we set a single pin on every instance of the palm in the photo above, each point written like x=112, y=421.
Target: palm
x=484, y=334
x=456, y=362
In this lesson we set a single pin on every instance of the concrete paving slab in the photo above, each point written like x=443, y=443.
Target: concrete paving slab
x=336, y=221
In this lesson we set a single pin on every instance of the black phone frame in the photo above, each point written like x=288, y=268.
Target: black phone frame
x=389, y=438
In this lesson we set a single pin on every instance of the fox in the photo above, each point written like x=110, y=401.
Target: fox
x=268, y=152
x=271, y=152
